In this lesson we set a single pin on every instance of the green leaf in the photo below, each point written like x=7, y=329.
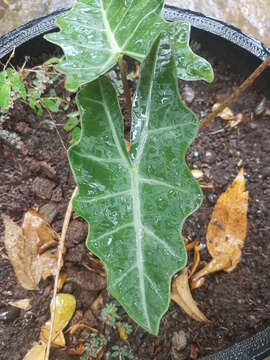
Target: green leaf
x=71, y=123
x=136, y=203
x=4, y=91
x=76, y=134
x=53, y=60
x=52, y=103
x=16, y=83
x=94, y=33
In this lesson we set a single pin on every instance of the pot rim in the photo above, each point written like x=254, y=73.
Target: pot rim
x=44, y=24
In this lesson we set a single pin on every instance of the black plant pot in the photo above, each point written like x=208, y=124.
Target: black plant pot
x=219, y=39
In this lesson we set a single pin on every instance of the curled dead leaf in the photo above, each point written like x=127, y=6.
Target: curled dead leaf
x=227, y=230
x=181, y=294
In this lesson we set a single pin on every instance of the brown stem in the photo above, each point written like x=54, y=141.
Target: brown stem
x=248, y=82
x=125, y=84
x=61, y=247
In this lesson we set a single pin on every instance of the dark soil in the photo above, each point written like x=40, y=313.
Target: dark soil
x=237, y=302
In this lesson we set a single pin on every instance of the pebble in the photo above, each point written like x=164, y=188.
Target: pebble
x=48, y=212
x=260, y=107
x=57, y=194
x=180, y=348
x=48, y=170
x=9, y=314
x=233, y=142
x=188, y=94
x=43, y=188
x=77, y=233
x=266, y=172
x=210, y=157
x=47, y=125
x=196, y=154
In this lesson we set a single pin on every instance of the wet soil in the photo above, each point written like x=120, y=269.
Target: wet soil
x=38, y=175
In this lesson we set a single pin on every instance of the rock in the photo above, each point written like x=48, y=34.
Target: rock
x=188, y=94
x=88, y=280
x=89, y=319
x=76, y=254
x=266, y=172
x=9, y=314
x=23, y=128
x=77, y=233
x=260, y=107
x=212, y=198
x=210, y=157
x=47, y=125
x=57, y=194
x=43, y=188
x=48, y=170
x=48, y=212
x=180, y=348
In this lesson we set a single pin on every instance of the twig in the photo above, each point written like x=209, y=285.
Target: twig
x=60, y=254
x=10, y=57
x=125, y=84
x=61, y=140
x=248, y=82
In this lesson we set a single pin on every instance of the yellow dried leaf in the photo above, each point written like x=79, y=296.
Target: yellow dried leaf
x=64, y=310
x=227, y=230
x=24, y=304
x=122, y=333
x=225, y=114
x=182, y=296
x=196, y=260
x=37, y=352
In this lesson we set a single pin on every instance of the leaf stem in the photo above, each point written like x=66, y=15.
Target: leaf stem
x=248, y=82
x=122, y=68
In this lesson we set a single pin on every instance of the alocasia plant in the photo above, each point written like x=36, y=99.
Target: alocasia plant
x=135, y=202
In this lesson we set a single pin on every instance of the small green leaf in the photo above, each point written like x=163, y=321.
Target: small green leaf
x=71, y=123
x=76, y=133
x=16, y=83
x=4, y=91
x=52, y=103
x=95, y=32
x=136, y=203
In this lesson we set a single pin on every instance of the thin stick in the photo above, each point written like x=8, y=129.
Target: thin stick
x=60, y=254
x=57, y=131
x=125, y=83
x=248, y=82
x=10, y=57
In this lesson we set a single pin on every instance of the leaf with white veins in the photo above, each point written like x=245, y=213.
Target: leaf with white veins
x=135, y=203
x=95, y=32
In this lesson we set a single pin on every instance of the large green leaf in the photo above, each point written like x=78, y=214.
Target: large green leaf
x=95, y=32
x=135, y=203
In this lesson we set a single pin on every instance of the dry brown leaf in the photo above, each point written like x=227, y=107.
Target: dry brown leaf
x=79, y=326
x=23, y=255
x=225, y=114
x=78, y=350
x=61, y=281
x=182, y=296
x=35, y=229
x=37, y=352
x=227, y=230
x=238, y=118
x=25, y=246
x=24, y=304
